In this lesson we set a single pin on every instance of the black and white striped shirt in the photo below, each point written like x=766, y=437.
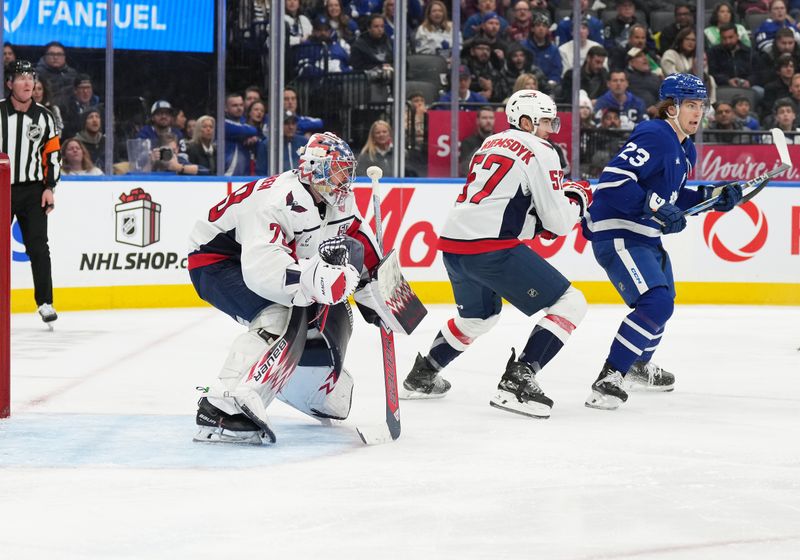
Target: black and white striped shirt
x=31, y=141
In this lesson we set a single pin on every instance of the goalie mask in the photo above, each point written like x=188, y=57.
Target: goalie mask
x=328, y=166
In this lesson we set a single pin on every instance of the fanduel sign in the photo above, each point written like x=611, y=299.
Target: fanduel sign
x=153, y=25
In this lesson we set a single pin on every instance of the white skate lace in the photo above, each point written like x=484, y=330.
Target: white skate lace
x=653, y=372
x=438, y=382
x=614, y=378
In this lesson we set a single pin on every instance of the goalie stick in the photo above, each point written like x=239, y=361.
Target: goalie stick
x=370, y=435
x=779, y=139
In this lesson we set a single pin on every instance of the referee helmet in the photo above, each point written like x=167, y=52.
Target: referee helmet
x=19, y=67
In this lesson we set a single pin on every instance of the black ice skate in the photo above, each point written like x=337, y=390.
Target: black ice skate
x=519, y=392
x=647, y=376
x=607, y=391
x=216, y=426
x=424, y=382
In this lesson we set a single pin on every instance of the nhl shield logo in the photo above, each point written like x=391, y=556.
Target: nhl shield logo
x=34, y=132
x=532, y=292
x=129, y=226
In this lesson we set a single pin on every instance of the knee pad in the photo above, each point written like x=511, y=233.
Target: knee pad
x=655, y=307
x=319, y=391
x=460, y=332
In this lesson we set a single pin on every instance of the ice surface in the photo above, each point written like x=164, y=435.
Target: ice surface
x=97, y=460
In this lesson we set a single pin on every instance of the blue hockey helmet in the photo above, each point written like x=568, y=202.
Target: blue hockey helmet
x=682, y=86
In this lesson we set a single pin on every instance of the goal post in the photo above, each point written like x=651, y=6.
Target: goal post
x=5, y=286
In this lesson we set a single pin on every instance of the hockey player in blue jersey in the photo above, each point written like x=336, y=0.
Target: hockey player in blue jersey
x=640, y=196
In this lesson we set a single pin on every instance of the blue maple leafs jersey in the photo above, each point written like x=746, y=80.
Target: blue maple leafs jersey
x=651, y=160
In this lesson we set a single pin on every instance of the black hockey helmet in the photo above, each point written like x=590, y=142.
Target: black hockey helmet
x=19, y=67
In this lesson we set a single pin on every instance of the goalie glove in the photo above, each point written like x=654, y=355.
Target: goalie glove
x=580, y=193
x=342, y=250
x=324, y=283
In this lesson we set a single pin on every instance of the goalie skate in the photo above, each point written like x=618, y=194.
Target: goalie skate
x=424, y=382
x=215, y=426
x=607, y=392
x=518, y=391
x=648, y=377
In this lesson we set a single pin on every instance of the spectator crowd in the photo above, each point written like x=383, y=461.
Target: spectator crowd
x=625, y=49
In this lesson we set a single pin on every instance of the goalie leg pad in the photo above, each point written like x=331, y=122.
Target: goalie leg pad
x=251, y=378
x=321, y=387
x=245, y=351
x=319, y=391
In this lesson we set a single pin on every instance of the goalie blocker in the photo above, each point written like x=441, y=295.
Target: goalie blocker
x=389, y=297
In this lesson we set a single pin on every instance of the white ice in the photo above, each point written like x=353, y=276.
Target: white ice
x=97, y=461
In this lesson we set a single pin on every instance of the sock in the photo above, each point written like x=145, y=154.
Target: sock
x=548, y=337
x=441, y=353
x=637, y=337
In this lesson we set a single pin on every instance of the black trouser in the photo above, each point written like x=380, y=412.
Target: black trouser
x=26, y=205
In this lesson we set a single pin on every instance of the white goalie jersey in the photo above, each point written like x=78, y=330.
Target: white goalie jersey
x=270, y=224
x=514, y=179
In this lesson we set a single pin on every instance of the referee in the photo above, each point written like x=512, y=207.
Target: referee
x=28, y=135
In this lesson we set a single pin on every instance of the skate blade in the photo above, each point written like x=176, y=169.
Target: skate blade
x=602, y=402
x=408, y=395
x=531, y=410
x=220, y=435
x=634, y=387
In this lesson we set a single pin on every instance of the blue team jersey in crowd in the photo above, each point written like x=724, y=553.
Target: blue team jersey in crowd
x=765, y=34
x=651, y=160
x=631, y=112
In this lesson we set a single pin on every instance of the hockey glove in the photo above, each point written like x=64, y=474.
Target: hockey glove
x=324, y=283
x=729, y=197
x=342, y=250
x=668, y=215
x=580, y=193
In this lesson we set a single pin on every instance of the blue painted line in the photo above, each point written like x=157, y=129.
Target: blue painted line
x=155, y=442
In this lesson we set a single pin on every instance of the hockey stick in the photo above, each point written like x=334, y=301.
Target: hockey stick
x=387, y=340
x=779, y=139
